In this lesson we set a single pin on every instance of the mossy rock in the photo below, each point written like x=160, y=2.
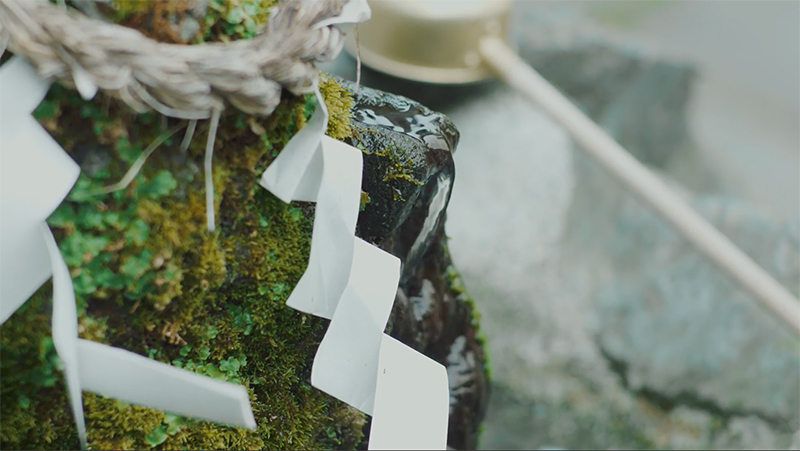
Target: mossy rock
x=149, y=278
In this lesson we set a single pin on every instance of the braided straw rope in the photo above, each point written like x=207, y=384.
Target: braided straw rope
x=185, y=81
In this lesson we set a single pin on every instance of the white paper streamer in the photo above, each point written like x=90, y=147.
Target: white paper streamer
x=124, y=375
x=346, y=364
x=24, y=91
x=65, y=328
x=36, y=176
x=314, y=167
x=412, y=400
x=354, y=284
x=297, y=171
x=128, y=376
x=321, y=286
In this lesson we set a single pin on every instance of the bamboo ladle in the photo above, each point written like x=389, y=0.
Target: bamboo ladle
x=463, y=41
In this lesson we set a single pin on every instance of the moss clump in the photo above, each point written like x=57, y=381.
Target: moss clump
x=149, y=278
x=34, y=412
x=181, y=21
x=399, y=167
x=365, y=199
x=457, y=286
x=228, y=20
x=396, y=165
x=339, y=101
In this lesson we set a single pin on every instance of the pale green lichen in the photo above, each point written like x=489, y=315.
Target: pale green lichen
x=339, y=101
x=399, y=165
x=457, y=287
x=365, y=199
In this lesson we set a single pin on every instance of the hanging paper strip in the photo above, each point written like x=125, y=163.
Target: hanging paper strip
x=354, y=284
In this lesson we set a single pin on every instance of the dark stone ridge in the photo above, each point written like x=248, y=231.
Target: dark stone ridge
x=408, y=175
x=407, y=149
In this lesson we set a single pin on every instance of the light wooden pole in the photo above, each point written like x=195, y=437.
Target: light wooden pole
x=461, y=41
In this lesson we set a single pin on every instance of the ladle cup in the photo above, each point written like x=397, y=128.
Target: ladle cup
x=463, y=41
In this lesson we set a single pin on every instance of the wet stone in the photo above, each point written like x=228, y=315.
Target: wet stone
x=407, y=153
x=408, y=176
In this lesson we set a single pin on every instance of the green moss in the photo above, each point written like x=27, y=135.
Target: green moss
x=149, y=278
x=235, y=19
x=399, y=165
x=223, y=20
x=365, y=199
x=457, y=286
x=339, y=101
x=34, y=409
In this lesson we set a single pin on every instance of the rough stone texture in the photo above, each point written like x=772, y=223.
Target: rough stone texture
x=432, y=311
x=686, y=332
x=408, y=149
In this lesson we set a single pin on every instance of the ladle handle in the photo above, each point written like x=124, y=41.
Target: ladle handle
x=518, y=74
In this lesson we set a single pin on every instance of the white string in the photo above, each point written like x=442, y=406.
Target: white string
x=164, y=109
x=136, y=166
x=187, y=138
x=212, y=135
x=358, y=60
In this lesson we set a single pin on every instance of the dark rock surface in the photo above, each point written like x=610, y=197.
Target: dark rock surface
x=408, y=175
x=407, y=153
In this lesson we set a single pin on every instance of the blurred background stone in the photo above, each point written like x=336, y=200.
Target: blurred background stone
x=605, y=329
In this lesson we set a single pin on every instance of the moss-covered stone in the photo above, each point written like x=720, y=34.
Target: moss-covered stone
x=149, y=278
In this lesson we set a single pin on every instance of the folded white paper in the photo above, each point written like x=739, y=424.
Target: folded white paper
x=128, y=376
x=412, y=400
x=346, y=364
x=296, y=172
x=321, y=286
x=124, y=375
x=35, y=176
x=354, y=284
x=65, y=328
x=23, y=90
